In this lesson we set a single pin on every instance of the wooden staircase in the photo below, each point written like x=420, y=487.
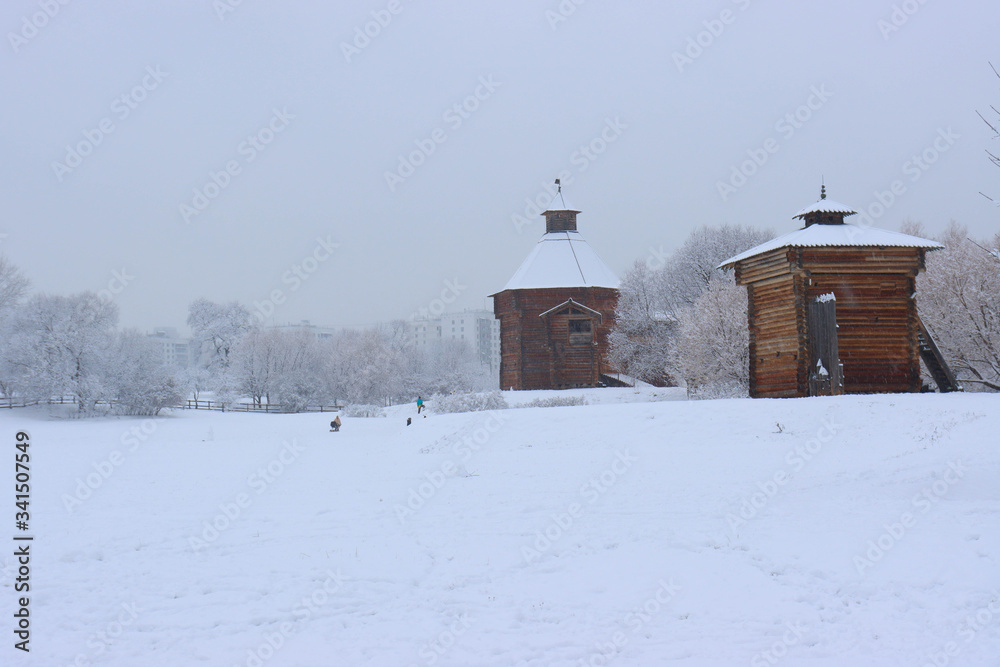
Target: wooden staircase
x=938, y=367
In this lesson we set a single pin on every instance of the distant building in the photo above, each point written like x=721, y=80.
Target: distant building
x=557, y=310
x=479, y=328
x=320, y=333
x=175, y=351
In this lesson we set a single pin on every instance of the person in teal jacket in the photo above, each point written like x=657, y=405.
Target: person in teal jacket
x=420, y=404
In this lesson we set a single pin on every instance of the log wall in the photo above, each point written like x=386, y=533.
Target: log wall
x=876, y=315
x=776, y=317
x=535, y=352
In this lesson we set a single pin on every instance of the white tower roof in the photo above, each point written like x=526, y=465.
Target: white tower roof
x=562, y=259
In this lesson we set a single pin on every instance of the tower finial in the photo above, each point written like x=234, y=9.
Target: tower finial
x=822, y=188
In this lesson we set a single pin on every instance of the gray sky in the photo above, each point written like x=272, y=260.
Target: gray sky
x=666, y=120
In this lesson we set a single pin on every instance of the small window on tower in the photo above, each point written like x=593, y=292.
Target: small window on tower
x=580, y=332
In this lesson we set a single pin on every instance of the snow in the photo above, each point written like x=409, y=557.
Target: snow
x=825, y=206
x=599, y=534
x=562, y=259
x=825, y=298
x=845, y=235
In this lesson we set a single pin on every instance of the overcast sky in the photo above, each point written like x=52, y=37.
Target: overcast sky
x=116, y=115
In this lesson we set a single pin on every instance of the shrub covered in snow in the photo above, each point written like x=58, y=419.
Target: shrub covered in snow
x=556, y=402
x=472, y=402
x=363, y=410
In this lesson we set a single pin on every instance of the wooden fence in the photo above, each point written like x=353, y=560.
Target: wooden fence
x=15, y=402
x=250, y=407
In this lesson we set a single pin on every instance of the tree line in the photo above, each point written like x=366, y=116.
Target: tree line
x=53, y=345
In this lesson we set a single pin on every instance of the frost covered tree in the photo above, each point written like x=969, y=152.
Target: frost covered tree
x=446, y=367
x=135, y=378
x=642, y=339
x=712, y=351
x=13, y=286
x=381, y=366
x=652, y=303
x=215, y=331
x=371, y=366
x=194, y=380
x=690, y=269
x=959, y=301
x=60, y=345
x=279, y=368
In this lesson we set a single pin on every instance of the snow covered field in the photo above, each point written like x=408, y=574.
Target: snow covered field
x=839, y=531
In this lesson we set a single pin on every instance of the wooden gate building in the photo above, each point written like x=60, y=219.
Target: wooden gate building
x=557, y=310
x=840, y=291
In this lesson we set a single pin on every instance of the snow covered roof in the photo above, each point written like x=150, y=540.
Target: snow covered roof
x=825, y=205
x=845, y=235
x=562, y=259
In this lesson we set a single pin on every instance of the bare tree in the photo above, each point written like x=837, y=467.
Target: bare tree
x=13, y=285
x=959, y=301
x=993, y=124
